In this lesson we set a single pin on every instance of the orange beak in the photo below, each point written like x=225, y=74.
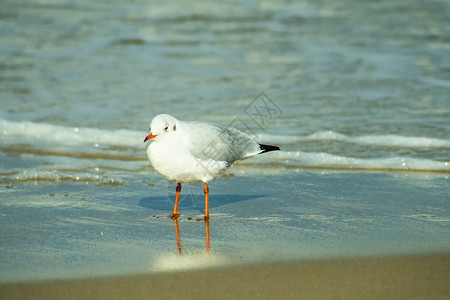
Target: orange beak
x=150, y=136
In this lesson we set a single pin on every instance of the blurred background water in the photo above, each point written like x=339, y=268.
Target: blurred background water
x=361, y=85
x=375, y=68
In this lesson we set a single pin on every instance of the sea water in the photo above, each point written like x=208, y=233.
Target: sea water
x=356, y=94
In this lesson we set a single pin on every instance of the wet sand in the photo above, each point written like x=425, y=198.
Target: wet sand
x=408, y=277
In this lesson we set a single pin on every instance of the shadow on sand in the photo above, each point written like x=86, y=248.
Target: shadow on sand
x=190, y=201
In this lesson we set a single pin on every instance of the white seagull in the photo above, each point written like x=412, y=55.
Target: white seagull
x=192, y=151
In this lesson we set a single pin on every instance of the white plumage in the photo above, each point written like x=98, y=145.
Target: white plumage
x=190, y=151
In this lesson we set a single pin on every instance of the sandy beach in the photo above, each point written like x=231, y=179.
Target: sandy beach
x=407, y=277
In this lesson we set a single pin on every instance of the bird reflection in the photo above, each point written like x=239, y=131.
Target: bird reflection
x=177, y=233
x=178, y=237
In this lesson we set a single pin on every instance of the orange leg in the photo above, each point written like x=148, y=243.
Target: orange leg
x=206, y=217
x=176, y=214
x=206, y=191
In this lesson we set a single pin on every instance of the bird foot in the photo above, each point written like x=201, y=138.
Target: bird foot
x=205, y=218
x=172, y=216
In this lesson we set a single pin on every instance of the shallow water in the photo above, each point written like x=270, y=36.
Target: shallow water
x=67, y=230
x=355, y=94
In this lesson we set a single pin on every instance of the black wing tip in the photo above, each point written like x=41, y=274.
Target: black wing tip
x=268, y=148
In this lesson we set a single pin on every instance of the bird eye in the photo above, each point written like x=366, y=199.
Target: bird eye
x=167, y=127
x=174, y=127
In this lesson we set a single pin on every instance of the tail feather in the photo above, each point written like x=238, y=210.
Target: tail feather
x=268, y=148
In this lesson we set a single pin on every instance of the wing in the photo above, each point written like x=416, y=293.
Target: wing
x=210, y=141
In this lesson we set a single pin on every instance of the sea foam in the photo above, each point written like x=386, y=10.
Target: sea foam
x=388, y=140
x=81, y=150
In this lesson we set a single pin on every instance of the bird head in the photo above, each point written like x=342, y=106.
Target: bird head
x=161, y=125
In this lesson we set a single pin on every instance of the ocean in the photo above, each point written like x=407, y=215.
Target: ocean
x=356, y=95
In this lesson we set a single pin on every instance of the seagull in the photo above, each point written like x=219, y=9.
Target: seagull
x=193, y=151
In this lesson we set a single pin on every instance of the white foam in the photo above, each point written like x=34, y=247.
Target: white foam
x=128, y=138
x=375, y=140
x=80, y=147
x=56, y=176
x=21, y=132
x=325, y=160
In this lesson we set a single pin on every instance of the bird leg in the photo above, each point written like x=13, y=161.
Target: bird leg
x=206, y=217
x=176, y=214
x=206, y=191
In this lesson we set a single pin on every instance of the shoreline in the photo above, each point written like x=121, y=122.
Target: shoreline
x=405, y=277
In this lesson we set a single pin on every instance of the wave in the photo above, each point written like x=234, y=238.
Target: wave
x=329, y=161
x=82, y=148
x=129, y=138
x=37, y=133
x=389, y=140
